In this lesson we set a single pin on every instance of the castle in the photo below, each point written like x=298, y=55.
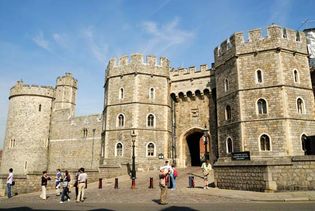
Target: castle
x=257, y=97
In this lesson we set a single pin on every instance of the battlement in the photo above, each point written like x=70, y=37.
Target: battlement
x=277, y=37
x=138, y=59
x=67, y=80
x=190, y=72
x=24, y=89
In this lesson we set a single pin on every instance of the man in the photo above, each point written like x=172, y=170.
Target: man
x=81, y=185
x=45, y=178
x=9, y=183
x=206, y=169
x=58, y=177
x=164, y=174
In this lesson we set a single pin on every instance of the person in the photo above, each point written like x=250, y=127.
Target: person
x=173, y=175
x=58, y=177
x=206, y=169
x=76, y=183
x=81, y=185
x=65, y=188
x=163, y=175
x=45, y=178
x=10, y=180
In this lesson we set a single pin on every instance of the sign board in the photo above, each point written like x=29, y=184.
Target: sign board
x=241, y=155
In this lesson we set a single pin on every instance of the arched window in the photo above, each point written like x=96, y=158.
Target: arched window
x=296, y=76
x=284, y=33
x=228, y=114
x=226, y=85
x=40, y=107
x=259, y=76
x=229, y=146
x=262, y=106
x=121, y=120
x=121, y=93
x=298, y=38
x=150, y=120
x=300, y=106
x=152, y=93
x=119, y=150
x=264, y=143
x=150, y=150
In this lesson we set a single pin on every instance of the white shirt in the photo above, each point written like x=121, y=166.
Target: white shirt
x=10, y=178
x=82, y=177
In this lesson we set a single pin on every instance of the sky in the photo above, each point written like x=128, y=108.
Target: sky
x=42, y=39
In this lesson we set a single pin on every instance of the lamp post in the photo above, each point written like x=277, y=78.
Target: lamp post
x=133, y=171
x=205, y=141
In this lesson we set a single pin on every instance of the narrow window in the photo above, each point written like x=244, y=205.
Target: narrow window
x=228, y=114
x=40, y=107
x=25, y=165
x=121, y=93
x=226, y=85
x=284, y=33
x=151, y=93
x=298, y=38
x=85, y=132
x=296, y=76
x=300, y=106
x=119, y=150
x=262, y=106
x=121, y=120
x=264, y=143
x=304, y=143
x=259, y=76
x=150, y=120
x=229, y=146
x=150, y=150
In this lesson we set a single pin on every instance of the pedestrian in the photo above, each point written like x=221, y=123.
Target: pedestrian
x=163, y=175
x=173, y=175
x=45, y=178
x=76, y=187
x=10, y=183
x=65, y=188
x=81, y=185
x=58, y=177
x=206, y=169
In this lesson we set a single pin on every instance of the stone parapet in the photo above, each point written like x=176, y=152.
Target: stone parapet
x=21, y=89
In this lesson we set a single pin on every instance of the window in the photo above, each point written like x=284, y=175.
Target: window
x=296, y=76
x=304, y=142
x=119, y=150
x=229, y=146
x=85, y=132
x=150, y=150
x=259, y=76
x=298, y=38
x=40, y=107
x=262, y=106
x=227, y=112
x=121, y=120
x=284, y=33
x=152, y=93
x=264, y=143
x=226, y=85
x=150, y=120
x=25, y=165
x=121, y=93
x=300, y=106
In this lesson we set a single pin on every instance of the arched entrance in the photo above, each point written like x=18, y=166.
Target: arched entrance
x=194, y=143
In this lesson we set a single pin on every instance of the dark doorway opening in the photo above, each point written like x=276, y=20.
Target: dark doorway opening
x=193, y=142
x=308, y=144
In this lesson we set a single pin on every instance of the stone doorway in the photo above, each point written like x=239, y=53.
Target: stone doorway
x=195, y=150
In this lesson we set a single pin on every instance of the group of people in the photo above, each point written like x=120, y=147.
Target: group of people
x=168, y=176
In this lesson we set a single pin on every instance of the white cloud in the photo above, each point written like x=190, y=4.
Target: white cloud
x=163, y=37
x=98, y=49
x=40, y=41
x=60, y=39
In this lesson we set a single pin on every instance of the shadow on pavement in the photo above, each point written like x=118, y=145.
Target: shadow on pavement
x=178, y=208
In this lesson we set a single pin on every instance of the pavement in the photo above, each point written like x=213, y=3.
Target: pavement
x=182, y=194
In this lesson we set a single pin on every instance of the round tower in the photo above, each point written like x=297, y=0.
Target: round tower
x=66, y=90
x=137, y=100
x=27, y=132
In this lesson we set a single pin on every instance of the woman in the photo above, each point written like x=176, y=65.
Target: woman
x=206, y=169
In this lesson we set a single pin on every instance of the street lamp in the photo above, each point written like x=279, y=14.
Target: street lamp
x=133, y=171
x=205, y=141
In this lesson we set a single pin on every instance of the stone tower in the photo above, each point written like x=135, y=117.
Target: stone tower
x=264, y=94
x=137, y=99
x=28, y=124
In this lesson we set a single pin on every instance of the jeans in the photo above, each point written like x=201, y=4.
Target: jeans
x=9, y=187
x=173, y=180
x=65, y=194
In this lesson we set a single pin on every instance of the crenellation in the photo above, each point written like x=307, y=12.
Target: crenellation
x=31, y=89
x=151, y=60
x=123, y=60
x=136, y=59
x=254, y=35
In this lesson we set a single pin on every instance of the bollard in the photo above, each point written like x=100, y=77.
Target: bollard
x=133, y=183
x=191, y=181
x=100, y=184
x=151, y=183
x=116, y=183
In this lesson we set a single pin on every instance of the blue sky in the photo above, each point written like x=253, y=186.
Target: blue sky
x=41, y=39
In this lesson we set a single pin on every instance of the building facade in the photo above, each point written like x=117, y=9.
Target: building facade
x=257, y=97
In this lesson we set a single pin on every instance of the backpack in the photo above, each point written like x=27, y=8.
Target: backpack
x=175, y=173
